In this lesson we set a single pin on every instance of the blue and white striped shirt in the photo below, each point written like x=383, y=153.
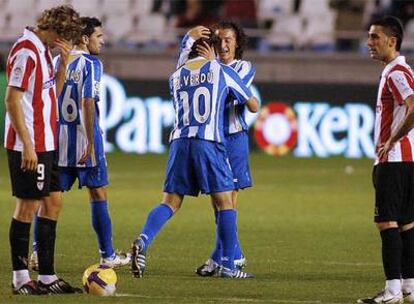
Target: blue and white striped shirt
x=83, y=77
x=199, y=90
x=234, y=120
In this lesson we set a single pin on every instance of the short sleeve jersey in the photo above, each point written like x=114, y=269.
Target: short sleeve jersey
x=396, y=85
x=30, y=69
x=82, y=81
x=199, y=91
x=234, y=118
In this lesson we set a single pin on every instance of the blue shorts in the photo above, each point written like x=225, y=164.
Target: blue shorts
x=237, y=146
x=91, y=177
x=195, y=166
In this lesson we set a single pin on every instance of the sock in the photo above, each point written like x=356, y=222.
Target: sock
x=101, y=222
x=393, y=286
x=46, y=237
x=19, y=235
x=407, y=263
x=155, y=221
x=218, y=250
x=20, y=277
x=226, y=227
x=237, y=250
x=408, y=285
x=34, y=244
x=391, y=253
x=47, y=279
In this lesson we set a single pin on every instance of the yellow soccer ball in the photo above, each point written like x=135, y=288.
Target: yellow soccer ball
x=99, y=280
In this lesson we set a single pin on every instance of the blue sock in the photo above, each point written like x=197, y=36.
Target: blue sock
x=238, y=254
x=226, y=227
x=155, y=221
x=218, y=250
x=102, y=225
x=34, y=245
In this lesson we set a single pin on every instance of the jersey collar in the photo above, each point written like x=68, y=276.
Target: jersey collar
x=397, y=60
x=233, y=62
x=30, y=35
x=196, y=59
x=76, y=51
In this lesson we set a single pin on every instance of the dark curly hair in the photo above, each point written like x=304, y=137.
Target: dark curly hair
x=241, y=37
x=62, y=19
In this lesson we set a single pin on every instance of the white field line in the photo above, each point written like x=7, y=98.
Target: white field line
x=225, y=300
x=341, y=263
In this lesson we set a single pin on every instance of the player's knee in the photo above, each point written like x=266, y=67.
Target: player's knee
x=174, y=201
x=225, y=205
x=386, y=225
x=50, y=206
x=406, y=227
x=25, y=210
x=97, y=194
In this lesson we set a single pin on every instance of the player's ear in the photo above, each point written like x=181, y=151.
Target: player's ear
x=85, y=39
x=392, y=42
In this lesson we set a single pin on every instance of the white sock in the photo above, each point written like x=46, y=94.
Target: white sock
x=393, y=286
x=47, y=279
x=20, y=277
x=408, y=285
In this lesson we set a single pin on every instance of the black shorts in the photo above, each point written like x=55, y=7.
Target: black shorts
x=33, y=185
x=394, y=192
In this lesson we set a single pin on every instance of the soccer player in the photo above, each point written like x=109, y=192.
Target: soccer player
x=197, y=158
x=31, y=141
x=81, y=151
x=232, y=45
x=393, y=173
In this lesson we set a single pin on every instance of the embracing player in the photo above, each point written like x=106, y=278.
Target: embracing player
x=197, y=158
x=230, y=52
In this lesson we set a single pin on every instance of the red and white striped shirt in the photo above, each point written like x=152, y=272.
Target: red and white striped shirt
x=396, y=85
x=30, y=68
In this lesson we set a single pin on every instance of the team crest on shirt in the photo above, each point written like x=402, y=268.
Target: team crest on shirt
x=17, y=74
x=40, y=185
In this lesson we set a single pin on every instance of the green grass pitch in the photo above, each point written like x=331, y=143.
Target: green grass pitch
x=306, y=229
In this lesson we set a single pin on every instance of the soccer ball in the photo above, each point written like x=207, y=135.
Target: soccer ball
x=99, y=280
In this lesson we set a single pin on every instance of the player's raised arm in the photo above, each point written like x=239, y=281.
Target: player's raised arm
x=65, y=48
x=240, y=91
x=188, y=41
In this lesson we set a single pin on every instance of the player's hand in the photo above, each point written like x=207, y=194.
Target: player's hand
x=206, y=51
x=29, y=158
x=383, y=149
x=199, y=32
x=86, y=154
x=65, y=47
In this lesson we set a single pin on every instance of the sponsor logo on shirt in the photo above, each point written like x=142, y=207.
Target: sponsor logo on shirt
x=48, y=84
